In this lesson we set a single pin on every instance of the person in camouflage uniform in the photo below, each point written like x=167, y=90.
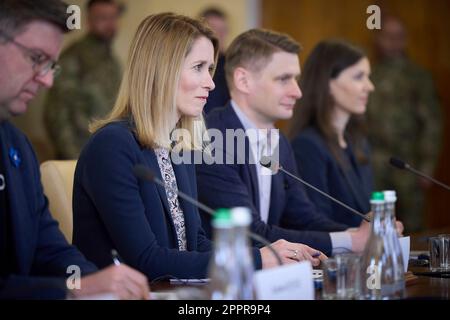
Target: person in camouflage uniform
x=404, y=121
x=87, y=86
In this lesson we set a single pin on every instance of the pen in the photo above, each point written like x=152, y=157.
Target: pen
x=115, y=257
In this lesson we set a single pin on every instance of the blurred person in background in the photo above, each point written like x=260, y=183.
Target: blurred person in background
x=330, y=143
x=217, y=20
x=404, y=121
x=88, y=83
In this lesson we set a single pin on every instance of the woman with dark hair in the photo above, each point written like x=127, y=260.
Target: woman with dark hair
x=329, y=142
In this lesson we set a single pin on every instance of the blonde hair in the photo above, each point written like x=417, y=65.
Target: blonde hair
x=147, y=94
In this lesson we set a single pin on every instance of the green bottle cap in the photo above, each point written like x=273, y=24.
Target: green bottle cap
x=377, y=196
x=222, y=218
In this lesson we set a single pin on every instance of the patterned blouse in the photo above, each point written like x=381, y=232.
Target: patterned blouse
x=168, y=176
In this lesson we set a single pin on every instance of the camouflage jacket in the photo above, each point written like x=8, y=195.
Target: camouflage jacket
x=85, y=90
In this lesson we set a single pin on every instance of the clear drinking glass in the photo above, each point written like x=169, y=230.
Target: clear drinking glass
x=439, y=252
x=341, y=277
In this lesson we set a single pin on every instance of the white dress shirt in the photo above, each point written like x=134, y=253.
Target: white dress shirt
x=264, y=142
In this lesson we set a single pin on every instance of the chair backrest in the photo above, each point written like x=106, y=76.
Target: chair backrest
x=57, y=179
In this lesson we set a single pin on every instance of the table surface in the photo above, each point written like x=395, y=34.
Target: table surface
x=425, y=286
x=422, y=287
x=428, y=287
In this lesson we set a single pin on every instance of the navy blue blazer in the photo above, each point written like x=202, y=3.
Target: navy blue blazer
x=40, y=248
x=113, y=209
x=291, y=215
x=319, y=167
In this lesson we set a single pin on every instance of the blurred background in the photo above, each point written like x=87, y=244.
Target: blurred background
x=308, y=21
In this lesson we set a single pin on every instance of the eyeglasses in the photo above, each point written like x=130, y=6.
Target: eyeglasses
x=41, y=63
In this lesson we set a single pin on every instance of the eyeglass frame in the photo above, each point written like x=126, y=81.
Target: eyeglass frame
x=40, y=68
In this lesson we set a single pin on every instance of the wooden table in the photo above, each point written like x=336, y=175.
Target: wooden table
x=423, y=287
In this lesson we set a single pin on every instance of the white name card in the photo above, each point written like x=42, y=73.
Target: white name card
x=405, y=243
x=288, y=282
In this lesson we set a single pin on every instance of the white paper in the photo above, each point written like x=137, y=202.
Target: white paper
x=405, y=243
x=288, y=282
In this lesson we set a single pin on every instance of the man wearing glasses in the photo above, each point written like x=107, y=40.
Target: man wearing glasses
x=35, y=258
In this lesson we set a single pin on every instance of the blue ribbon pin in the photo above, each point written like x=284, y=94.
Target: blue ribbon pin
x=14, y=157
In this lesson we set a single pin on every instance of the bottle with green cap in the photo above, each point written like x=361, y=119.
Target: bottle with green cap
x=378, y=262
x=242, y=219
x=390, y=198
x=222, y=267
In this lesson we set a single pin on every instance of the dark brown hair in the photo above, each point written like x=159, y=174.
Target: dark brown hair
x=15, y=14
x=213, y=12
x=327, y=60
x=253, y=48
x=120, y=6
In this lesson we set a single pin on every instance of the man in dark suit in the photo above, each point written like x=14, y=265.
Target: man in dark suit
x=35, y=258
x=262, y=68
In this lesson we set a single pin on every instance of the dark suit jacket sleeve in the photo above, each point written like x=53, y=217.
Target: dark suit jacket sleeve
x=32, y=288
x=110, y=183
x=53, y=254
x=309, y=218
x=221, y=186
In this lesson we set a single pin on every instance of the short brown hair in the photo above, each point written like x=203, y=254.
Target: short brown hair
x=254, y=48
x=15, y=14
x=121, y=7
x=213, y=12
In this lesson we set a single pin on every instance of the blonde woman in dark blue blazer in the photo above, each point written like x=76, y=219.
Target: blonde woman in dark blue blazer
x=165, y=87
x=329, y=142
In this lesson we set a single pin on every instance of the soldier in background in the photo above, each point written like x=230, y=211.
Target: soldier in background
x=87, y=86
x=404, y=121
